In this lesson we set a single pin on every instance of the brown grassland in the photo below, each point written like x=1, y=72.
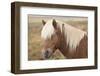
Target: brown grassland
x=35, y=42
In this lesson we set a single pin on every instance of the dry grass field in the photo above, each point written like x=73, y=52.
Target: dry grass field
x=34, y=37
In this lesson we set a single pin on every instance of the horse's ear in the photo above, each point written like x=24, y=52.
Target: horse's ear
x=63, y=29
x=54, y=23
x=43, y=22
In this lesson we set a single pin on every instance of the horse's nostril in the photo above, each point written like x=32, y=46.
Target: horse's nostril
x=47, y=51
x=46, y=54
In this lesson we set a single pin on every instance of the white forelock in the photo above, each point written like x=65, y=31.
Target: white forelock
x=48, y=30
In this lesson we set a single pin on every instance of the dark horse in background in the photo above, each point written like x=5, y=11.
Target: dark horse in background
x=70, y=41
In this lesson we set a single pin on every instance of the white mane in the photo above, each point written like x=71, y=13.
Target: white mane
x=72, y=34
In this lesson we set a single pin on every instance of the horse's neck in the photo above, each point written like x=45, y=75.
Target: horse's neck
x=63, y=45
x=65, y=48
x=79, y=52
x=71, y=38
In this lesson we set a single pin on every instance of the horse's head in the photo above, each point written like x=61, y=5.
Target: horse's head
x=51, y=35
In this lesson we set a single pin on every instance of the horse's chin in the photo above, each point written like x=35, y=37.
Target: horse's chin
x=46, y=58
